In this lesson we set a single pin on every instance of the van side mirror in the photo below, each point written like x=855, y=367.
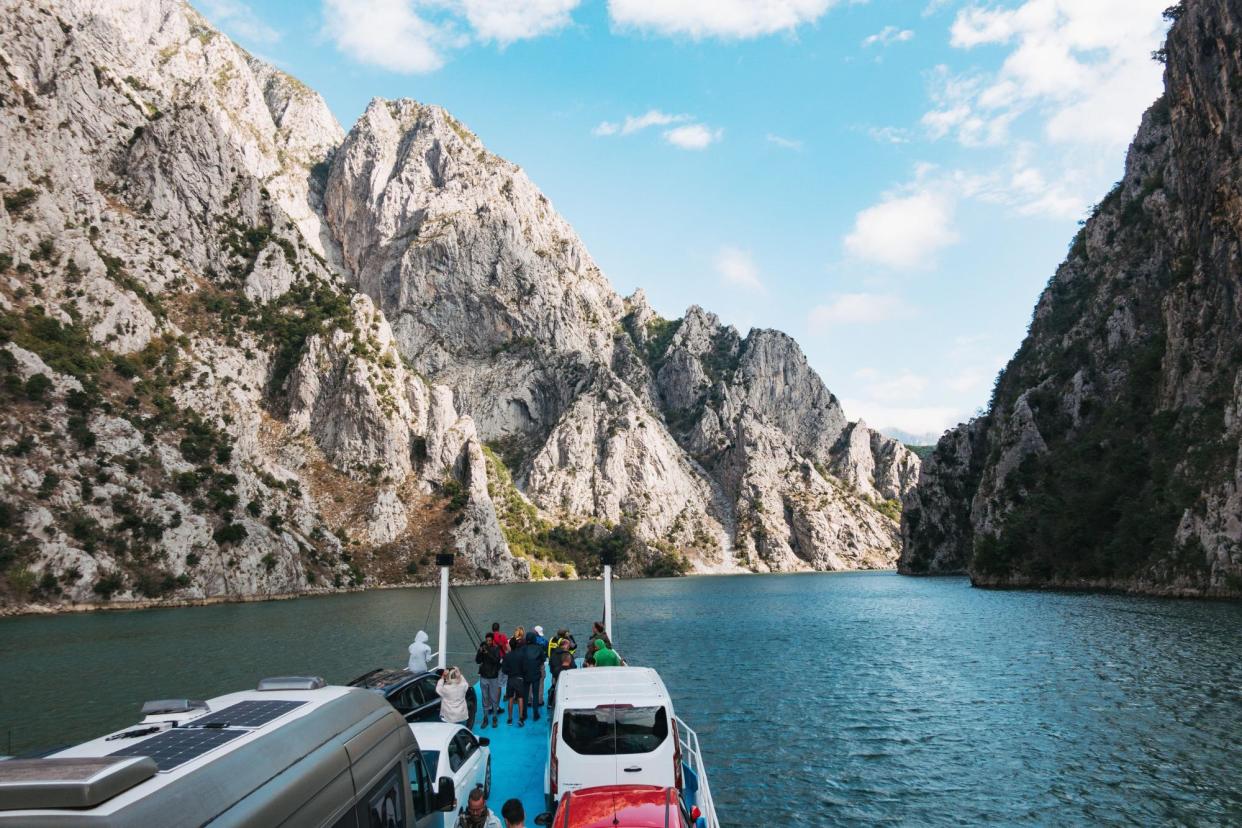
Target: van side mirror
x=544, y=819
x=484, y=741
x=446, y=794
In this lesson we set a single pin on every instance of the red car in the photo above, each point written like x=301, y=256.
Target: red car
x=624, y=806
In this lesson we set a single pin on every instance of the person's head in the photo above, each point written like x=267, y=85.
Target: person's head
x=514, y=813
x=600, y=644
x=538, y=630
x=476, y=805
x=598, y=626
x=495, y=626
x=562, y=633
x=490, y=637
x=452, y=676
x=563, y=644
x=530, y=637
x=421, y=637
x=520, y=633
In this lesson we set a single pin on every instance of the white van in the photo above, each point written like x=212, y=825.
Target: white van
x=611, y=726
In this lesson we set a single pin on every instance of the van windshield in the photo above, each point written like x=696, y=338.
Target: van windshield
x=605, y=731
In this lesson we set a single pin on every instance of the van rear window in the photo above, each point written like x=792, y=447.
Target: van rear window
x=605, y=731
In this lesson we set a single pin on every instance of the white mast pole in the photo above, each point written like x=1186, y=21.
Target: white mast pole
x=445, y=562
x=608, y=603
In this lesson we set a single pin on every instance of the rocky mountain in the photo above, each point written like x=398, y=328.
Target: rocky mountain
x=245, y=353
x=1109, y=454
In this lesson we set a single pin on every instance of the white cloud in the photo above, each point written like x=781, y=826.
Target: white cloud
x=693, y=136
x=888, y=36
x=1082, y=69
x=652, y=117
x=637, y=123
x=784, y=143
x=239, y=19
x=889, y=135
x=903, y=231
x=737, y=268
x=386, y=33
x=414, y=36
x=716, y=18
x=858, y=309
x=506, y=21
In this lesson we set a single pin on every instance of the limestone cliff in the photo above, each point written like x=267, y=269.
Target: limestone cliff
x=243, y=352
x=1109, y=454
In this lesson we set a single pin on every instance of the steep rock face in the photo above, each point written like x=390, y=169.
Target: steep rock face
x=491, y=290
x=600, y=415
x=1109, y=456
x=193, y=405
x=203, y=397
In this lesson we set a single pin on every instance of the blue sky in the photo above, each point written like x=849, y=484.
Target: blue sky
x=890, y=181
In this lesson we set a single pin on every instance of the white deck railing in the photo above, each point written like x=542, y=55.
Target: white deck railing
x=693, y=756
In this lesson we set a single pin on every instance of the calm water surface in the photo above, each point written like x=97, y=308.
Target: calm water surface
x=821, y=699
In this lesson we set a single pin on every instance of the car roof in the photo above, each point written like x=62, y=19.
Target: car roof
x=616, y=806
x=434, y=735
x=596, y=685
x=384, y=680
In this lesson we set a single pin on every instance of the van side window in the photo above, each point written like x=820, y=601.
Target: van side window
x=384, y=805
x=420, y=785
x=605, y=730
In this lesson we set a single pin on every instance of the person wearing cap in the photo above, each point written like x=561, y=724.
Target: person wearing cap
x=537, y=688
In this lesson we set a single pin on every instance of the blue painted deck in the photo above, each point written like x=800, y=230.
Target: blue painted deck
x=518, y=758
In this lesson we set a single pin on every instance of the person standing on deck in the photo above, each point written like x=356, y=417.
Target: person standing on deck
x=543, y=646
x=597, y=633
x=562, y=659
x=533, y=658
x=518, y=639
x=606, y=656
x=513, y=813
x=488, y=658
x=476, y=814
x=512, y=666
x=420, y=652
x=502, y=643
x=452, y=688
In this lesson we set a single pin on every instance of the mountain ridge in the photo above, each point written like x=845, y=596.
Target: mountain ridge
x=264, y=355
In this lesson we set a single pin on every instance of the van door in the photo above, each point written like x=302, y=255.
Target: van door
x=615, y=744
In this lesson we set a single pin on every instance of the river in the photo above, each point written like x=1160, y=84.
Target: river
x=821, y=699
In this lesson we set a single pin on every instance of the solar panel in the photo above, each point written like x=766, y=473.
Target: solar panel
x=246, y=714
x=174, y=748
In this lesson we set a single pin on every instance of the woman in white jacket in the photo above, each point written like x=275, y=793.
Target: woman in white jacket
x=452, y=688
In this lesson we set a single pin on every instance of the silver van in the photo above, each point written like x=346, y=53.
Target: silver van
x=292, y=752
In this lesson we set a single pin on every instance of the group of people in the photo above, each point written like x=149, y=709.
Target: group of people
x=513, y=669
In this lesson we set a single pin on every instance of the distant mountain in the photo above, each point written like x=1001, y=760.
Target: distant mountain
x=245, y=353
x=926, y=438
x=1109, y=457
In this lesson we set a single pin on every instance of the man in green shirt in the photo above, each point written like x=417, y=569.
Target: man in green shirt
x=605, y=656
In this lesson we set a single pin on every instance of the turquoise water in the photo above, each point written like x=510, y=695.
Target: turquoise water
x=820, y=699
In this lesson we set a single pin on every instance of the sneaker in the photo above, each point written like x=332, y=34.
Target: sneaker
x=536, y=714
x=483, y=724
x=521, y=723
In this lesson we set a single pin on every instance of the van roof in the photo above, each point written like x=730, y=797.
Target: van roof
x=202, y=759
x=597, y=685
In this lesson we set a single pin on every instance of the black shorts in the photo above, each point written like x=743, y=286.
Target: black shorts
x=516, y=688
